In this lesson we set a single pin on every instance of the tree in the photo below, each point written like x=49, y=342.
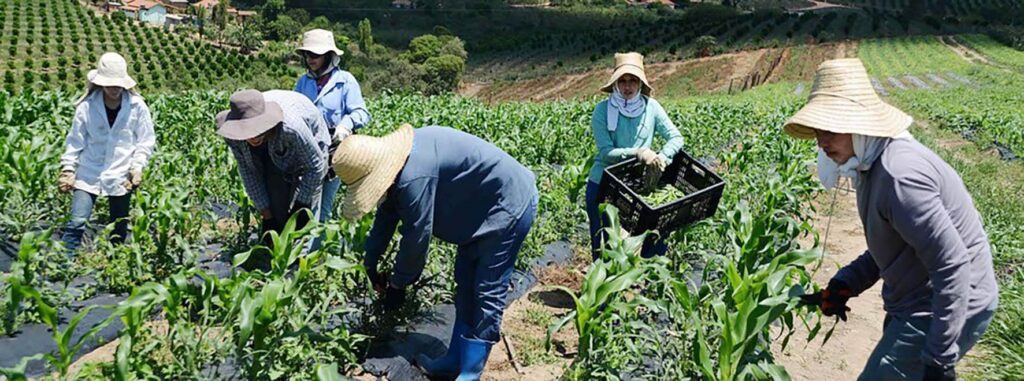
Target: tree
x=283, y=28
x=422, y=48
x=706, y=45
x=119, y=17
x=298, y=14
x=365, y=36
x=220, y=14
x=272, y=9
x=443, y=73
x=201, y=15
x=320, y=22
x=246, y=38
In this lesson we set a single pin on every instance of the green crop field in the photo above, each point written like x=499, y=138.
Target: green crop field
x=723, y=304
x=52, y=44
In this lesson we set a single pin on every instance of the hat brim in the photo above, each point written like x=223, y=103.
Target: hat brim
x=363, y=194
x=629, y=69
x=242, y=129
x=99, y=80
x=846, y=117
x=319, y=50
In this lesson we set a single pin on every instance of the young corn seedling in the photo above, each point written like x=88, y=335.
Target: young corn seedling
x=618, y=269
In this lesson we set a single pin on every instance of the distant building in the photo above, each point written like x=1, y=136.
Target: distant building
x=172, y=21
x=403, y=4
x=148, y=11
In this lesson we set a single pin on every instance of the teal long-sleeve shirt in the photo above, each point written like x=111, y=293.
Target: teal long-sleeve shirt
x=630, y=135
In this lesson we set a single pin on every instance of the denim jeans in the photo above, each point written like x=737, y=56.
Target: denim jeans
x=82, y=203
x=898, y=353
x=483, y=271
x=652, y=246
x=327, y=198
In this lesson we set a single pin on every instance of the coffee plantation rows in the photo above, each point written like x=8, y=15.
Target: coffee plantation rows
x=671, y=39
x=998, y=53
x=52, y=44
x=911, y=55
x=318, y=319
x=936, y=7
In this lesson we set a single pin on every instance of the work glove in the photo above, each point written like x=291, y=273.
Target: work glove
x=831, y=300
x=133, y=180
x=936, y=373
x=651, y=159
x=340, y=134
x=303, y=216
x=66, y=181
x=135, y=176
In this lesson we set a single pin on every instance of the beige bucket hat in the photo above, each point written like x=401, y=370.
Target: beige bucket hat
x=250, y=115
x=111, y=70
x=368, y=166
x=629, y=63
x=843, y=101
x=319, y=42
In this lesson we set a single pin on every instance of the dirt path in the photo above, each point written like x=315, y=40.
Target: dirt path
x=847, y=351
x=818, y=5
x=847, y=49
x=968, y=54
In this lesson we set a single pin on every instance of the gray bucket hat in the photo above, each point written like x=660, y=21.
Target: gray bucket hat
x=250, y=115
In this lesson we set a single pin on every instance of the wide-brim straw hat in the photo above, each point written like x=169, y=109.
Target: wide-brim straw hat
x=250, y=116
x=629, y=63
x=368, y=166
x=843, y=101
x=319, y=42
x=111, y=70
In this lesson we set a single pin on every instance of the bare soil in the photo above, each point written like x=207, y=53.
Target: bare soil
x=696, y=75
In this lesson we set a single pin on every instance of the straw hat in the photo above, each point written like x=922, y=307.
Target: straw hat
x=111, y=70
x=250, y=115
x=319, y=42
x=368, y=165
x=629, y=63
x=844, y=102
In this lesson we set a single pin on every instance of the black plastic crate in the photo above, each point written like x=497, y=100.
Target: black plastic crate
x=623, y=183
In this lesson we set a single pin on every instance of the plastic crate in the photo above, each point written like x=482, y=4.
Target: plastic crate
x=623, y=183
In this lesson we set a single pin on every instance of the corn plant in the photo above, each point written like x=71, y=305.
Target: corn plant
x=618, y=269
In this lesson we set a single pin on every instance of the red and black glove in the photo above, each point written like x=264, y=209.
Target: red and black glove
x=832, y=300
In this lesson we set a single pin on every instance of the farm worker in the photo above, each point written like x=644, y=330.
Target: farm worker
x=925, y=239
x=109, y=144
x=624, y=126
x=280, y=141
x=461, y=189
x=336, y=94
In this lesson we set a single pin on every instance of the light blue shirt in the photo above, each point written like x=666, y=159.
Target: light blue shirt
x=631, y=134
x=340, y=100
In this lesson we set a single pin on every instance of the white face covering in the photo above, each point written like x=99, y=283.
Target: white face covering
x=618, y=104
x=866, y=149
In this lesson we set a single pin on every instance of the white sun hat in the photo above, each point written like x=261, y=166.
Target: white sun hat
x=843, y=101
x=111, y=70
x=319, y=42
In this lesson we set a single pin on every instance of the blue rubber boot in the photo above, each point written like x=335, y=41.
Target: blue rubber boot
x=447, y=365
x=474, y=357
